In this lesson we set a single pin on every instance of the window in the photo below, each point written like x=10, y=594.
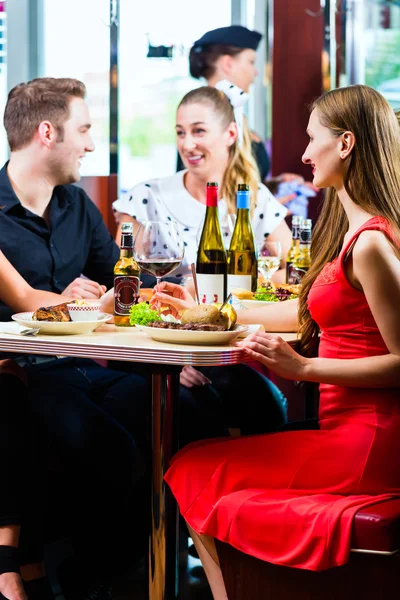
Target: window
x=151, y=87
x=76, y=43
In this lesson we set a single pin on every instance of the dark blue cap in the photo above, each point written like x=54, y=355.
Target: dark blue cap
x=234, y=35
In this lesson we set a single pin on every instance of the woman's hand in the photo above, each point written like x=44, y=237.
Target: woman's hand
x=271, y=350
x=174, y=296
x=107, y=302
x=191, y=377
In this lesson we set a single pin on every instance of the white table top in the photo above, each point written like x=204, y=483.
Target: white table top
x=109, y=342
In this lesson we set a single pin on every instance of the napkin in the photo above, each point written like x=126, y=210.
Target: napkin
x=253, y=328
x=10, y=327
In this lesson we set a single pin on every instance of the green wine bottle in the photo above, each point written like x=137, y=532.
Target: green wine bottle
x=242, y=257
x=211, y=255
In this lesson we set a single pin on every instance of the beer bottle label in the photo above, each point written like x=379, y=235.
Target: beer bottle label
x=126, y=293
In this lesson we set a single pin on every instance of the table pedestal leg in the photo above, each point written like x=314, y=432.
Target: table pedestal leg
x=163, y=579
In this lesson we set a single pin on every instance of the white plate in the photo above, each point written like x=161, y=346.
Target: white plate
x=254, y=303
x=60, y=327
x=198, y=338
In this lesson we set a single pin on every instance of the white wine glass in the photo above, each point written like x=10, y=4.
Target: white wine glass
x=269, y=258
x=158, y=247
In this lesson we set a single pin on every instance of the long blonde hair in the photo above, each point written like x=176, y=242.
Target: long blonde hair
x=242, y=167
x=372, y=180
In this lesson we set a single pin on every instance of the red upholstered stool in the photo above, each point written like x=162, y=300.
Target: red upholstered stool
x=372, y=573
x=377, y=529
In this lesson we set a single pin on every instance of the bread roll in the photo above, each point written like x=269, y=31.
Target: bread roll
x=242, y=294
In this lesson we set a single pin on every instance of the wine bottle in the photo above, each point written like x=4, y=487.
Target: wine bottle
x=211, y=262
x=302, y=262
x=242, y=257
x=294, y=250
x=126, y=278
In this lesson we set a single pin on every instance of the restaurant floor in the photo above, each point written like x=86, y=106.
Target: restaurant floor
x=192, y=581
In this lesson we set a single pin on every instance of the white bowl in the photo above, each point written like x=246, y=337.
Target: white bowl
x=84, y=312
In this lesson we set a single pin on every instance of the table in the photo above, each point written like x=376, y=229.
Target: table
x=109, y=342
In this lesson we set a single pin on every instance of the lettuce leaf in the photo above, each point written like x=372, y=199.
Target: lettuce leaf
x=142, y=314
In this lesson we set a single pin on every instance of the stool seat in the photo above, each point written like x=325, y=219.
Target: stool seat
x=377, y=528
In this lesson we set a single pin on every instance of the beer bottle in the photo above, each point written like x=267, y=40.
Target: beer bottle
x=302, y=262
x=126, y=278
x=294, y=250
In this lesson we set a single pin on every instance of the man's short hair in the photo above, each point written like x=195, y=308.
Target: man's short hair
x=42, y=99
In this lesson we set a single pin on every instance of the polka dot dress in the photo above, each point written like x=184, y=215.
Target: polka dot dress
x=167, y=198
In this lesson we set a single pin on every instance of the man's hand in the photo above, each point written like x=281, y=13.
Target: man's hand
x=190, y=377
x=82, y=288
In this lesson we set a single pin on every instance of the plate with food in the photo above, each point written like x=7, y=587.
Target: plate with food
x=203, y=325
x=56, y=320
x=267, y=293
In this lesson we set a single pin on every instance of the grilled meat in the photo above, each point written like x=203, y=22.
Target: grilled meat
x=59, y=312
x=188, y=326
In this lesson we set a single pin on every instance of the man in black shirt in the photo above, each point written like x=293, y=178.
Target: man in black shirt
x=91, y=417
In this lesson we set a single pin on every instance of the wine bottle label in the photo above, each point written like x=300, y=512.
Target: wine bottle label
x=211, y=288
x=239, y=281
x=295, y=274
x=126, y=293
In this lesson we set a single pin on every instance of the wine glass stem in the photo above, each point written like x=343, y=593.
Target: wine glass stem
x=157, y=286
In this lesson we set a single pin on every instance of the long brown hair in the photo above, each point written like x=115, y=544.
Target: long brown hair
x=241, y=167
x=372, y=180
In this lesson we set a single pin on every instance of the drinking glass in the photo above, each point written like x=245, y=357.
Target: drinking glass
x=269, y=258
x=158, y=247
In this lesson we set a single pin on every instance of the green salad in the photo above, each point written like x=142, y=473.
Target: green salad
x=278, y=295
x=143, y=314
x=265, y=296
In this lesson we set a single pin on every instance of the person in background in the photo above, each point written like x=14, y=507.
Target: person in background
x=230, y=53
x=350, y=339
x=207, y=138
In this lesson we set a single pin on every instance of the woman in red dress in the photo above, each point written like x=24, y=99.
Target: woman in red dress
x=290, y=498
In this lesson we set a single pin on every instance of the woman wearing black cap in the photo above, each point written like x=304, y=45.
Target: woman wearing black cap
x=230, y=53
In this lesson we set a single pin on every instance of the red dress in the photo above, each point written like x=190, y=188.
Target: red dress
x=290, y=498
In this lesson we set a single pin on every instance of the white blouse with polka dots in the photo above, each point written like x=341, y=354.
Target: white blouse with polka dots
x=167, y=198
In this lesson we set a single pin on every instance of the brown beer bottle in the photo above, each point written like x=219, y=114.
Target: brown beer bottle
x=126, y=278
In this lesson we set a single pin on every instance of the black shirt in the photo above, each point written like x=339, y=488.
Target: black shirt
x=50, y=258
x=260, y=155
